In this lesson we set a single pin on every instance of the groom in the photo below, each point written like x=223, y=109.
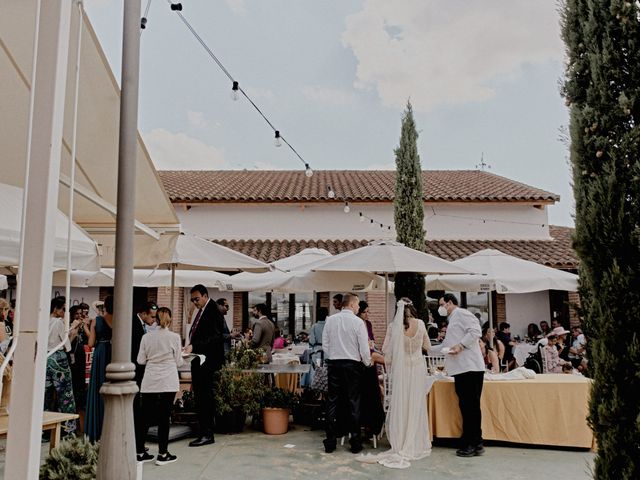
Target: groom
x=346, y=349
x=464, y=362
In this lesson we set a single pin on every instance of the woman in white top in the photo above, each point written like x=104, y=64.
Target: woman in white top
x=406, y=423
x=161, y=352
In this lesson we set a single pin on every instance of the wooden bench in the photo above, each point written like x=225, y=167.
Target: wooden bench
x=51, y=421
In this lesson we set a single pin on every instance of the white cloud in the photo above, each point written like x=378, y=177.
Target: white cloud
x=238, y=7
x=438, y=52
x=196, y=119
x=330, y=96
x=177, y=151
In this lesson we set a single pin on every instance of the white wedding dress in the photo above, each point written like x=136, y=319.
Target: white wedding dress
x=406, y=423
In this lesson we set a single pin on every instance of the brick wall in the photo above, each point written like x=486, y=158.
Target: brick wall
x=163, y=299
x=238, y=308
x=574, y=300
x=501, y=309
x=376, y=316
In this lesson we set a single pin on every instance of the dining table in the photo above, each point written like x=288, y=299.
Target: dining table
x=549, y=409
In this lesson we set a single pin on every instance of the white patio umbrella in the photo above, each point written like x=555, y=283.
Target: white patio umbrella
x=301, y=259
x=84, y=251
x=385, y=257
x=301, y=281
x=194, y=253
x=503, y=273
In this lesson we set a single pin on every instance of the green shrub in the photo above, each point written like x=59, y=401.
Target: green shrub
x=74, y=459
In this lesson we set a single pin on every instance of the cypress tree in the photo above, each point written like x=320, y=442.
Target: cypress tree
x=602, y=90
x=408, y=209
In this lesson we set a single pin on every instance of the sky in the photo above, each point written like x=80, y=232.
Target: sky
x=334, y=77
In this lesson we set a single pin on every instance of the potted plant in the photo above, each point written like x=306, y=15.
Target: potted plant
x=238, y=390
x=76, y=458
x=276, y=408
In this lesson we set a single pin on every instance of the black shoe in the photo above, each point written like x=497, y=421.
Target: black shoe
x=466, y=452
x=329, y=446
x=356, y=444
x=144, y=457
x=200, y=441
x=164, y=458
x=479, y=450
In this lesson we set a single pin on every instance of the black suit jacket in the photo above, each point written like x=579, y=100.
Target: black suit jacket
x=137, y=331
x=207, y=338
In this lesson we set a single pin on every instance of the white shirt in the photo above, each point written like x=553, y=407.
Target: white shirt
x=463, y=329
x=345, y=338
x=161, y=352
x=57, y=334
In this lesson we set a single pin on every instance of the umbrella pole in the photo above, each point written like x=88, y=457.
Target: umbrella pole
x=386, y=298
x=173, y=283
x=490, y=297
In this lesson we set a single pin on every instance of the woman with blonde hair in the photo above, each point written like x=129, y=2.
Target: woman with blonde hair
x=161, y=352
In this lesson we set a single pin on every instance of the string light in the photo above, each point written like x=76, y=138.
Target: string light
x=485, y=220
x=144, y=19
x=330, y=192
x=236, y=89
x=361, y=216
x=346, y=208
x=277, y=141
x=235, y=95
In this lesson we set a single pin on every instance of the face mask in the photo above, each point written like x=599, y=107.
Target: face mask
x=442, y=311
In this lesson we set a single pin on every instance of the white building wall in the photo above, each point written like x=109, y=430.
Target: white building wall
x=525, y=308
x=327, y=221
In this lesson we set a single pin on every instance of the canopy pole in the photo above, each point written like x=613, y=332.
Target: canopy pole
x=490, y=297
x=386, y=298
x=173, y=284
x=117, y=446
x=40, y=202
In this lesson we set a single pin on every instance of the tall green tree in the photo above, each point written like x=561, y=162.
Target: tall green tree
x=602, y=90
x=408, y=209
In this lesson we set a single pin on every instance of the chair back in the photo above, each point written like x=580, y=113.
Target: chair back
x=435, y=363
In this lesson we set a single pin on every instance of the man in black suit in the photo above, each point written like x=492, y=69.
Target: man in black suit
x=206, y=338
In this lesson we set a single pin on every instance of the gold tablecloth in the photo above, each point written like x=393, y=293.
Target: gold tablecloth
x=547, y=410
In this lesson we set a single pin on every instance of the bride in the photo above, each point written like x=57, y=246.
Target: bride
x=406, y=423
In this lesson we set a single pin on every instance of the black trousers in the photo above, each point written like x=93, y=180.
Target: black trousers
x=469, y=390
x=343, y=403
x=155, y=409
x=202, y=384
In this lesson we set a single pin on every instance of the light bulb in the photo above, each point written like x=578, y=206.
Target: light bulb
x=371, y=222
x=308, y=172
x=235, y=92
x=361, y=217
x=277, y=142
x=346, y=209
x=330, y=192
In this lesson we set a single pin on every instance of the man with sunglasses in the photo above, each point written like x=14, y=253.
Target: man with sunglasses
x=205, y=337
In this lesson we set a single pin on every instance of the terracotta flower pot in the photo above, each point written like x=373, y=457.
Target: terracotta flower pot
x=275, y=420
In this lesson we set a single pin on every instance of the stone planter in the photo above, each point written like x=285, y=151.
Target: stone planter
x=275, y=420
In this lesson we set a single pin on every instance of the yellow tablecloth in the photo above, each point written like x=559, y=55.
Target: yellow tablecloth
x=548, y=410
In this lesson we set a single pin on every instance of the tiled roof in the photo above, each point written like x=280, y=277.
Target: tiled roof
x=349, y=185
x=555, y=253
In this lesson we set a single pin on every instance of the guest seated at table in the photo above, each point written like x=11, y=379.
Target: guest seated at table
x=544, y=328
x=561, y=345
x=491, y=360
x=504, y=335
x=552, y=358
x=315, y=335
x=533, y=333
x=278, y=342
x=489, y=338
x=432, y=332
x=578, y=349
x=442, y=332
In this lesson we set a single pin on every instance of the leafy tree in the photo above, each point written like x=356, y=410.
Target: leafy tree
x=602, y=90
x=408, y=209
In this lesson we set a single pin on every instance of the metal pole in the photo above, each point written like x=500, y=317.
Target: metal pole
x=386, y=298
x=117, y=445
x=173, y=284
x=36, y=263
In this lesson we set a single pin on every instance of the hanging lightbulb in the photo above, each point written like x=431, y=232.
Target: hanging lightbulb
x=330, y=192
x=308, y=172
x=277, y=142
x=371, y=222
x=346, y=208
x=361, y=217
x=235, y=91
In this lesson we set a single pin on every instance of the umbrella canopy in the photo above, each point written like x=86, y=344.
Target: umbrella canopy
x=387, y=257
x=301, y=259
x=3, y=282
x=300, y=281
x=145, y=278
x=503, y=273
x=84, y=251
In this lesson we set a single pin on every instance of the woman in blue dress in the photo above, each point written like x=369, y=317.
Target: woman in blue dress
x=100, y=339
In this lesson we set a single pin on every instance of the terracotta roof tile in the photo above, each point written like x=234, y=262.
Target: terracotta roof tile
x=349, y=185
x=555, y=253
